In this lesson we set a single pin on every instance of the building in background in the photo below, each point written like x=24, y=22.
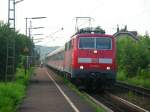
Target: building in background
x=122, y=33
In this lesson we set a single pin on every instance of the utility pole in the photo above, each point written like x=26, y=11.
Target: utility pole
x=26, y=22
x=28, y=31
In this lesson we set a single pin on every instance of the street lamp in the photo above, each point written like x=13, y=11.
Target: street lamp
x=30, y=22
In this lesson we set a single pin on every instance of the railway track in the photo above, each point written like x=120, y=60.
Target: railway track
x=113, y=103
x=123, y=98
x=137, y=95
x=139, y=90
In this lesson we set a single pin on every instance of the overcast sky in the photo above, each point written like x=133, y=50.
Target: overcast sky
x=60, y=13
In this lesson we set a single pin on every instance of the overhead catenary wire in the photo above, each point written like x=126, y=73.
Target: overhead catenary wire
x=50, y=36
x=53, y=38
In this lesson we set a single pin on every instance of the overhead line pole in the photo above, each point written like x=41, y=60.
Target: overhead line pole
x=10, y=53
x=29, y=31
x=26, y=20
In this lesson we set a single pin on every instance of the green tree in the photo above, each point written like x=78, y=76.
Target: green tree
x=133, y=55
x=21, y=41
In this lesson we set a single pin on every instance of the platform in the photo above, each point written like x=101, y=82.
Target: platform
x=48, y=93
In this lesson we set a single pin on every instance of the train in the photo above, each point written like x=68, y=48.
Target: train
x=87, y=59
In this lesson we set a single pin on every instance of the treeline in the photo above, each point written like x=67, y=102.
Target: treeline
x=23, y=46
x=133, y=57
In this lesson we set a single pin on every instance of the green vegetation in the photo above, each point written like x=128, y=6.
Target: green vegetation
x=12, y=93
x=133, y=59
x=23, y=46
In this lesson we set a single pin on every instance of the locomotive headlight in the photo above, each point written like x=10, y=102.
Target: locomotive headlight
x=81, y=67
x=108, y=68
x=95, y=51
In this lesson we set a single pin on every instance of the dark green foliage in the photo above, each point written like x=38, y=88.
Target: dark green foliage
x=98, y=29
x=7, y=90
x=5, y=34
x=134, y=61
x=21, y=41
x=133, y=56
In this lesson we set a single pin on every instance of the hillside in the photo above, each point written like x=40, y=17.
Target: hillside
x=44, y=50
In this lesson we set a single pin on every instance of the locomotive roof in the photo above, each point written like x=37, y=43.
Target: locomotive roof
x=56, y=51
x=91, y=34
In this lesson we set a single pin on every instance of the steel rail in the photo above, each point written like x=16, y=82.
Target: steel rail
x=113, y=103
x=139, y=90
x=129, y=105
x=107, y=109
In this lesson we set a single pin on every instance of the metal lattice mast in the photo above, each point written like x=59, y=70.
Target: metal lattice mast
x=11, y=14
x=10, y=59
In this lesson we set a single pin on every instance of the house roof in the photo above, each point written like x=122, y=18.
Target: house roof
x=132, y=34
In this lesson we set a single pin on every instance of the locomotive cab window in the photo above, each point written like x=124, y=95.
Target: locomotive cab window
x=100, y=43
x=86, y=43
x=103, y=43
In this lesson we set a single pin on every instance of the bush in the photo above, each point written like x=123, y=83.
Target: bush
x=133, y=59
x=132, y=55
x=6, y=104
x=23, y=78
x=121, y=75
x=12, y=93
x=12, y=90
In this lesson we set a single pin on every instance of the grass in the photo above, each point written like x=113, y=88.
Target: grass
x=83, y=96
x=23, y=78
x=142, y=79
x=12, y=93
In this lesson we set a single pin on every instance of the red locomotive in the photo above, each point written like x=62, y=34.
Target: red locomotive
x=88, y=58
